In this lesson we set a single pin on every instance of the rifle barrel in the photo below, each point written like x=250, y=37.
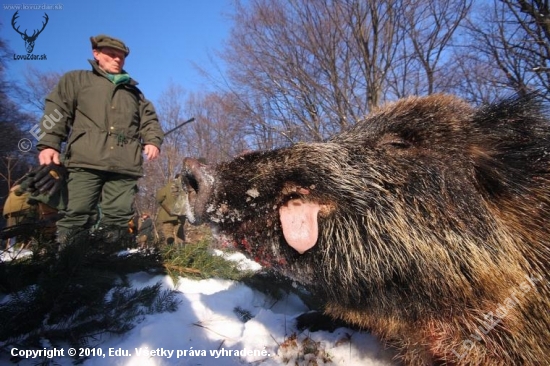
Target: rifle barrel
x=183, y=124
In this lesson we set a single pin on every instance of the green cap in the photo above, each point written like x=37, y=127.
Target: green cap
x=106, y=41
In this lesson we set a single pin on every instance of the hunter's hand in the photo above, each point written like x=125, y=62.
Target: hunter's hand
x=49, y=155
x=151, y=152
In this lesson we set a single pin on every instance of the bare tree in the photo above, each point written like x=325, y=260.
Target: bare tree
x=12, y=168
x=14, y=161
x=157, y=173
x=216, y=134
x=220, y=133
x=474, y=78
x=533, y=18
x=376, y=30
x=172, y=113
x=306, y=69
x=425, y=64
x=513, y=38
x=36, y=86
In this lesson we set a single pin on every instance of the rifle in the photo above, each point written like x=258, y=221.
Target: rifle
x=181, y=125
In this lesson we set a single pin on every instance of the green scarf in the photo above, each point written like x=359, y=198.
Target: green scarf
x=119, y=78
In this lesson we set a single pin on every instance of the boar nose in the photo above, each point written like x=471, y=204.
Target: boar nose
x=199, y=179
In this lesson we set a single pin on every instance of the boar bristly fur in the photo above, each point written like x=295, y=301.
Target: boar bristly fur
x=433, y=222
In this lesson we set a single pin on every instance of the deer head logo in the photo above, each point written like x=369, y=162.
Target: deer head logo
x=29, y=40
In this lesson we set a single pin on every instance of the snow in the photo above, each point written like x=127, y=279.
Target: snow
x=223, y=322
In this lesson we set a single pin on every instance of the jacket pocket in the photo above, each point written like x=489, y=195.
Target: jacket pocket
x=88, y=148
x=75, y=136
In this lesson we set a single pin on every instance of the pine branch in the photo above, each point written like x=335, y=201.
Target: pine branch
x=76, y=295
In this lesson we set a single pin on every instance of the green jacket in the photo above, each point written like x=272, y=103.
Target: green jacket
x=166, y=200
x=104, y=125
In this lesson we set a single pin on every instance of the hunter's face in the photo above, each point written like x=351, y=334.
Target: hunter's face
x=110, y=59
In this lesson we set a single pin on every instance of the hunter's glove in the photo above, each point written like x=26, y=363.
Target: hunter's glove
x=48, y=179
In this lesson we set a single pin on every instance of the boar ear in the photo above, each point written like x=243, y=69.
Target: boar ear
x=511, y=117
x=508, y=143
x=487, y=173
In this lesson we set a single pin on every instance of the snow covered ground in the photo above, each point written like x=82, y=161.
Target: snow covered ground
x=221, y=322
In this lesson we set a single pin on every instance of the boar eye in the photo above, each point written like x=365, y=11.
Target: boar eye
x=400, y=144
x=394, y=141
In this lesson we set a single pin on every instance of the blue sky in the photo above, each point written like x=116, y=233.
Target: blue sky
x=165, y=37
